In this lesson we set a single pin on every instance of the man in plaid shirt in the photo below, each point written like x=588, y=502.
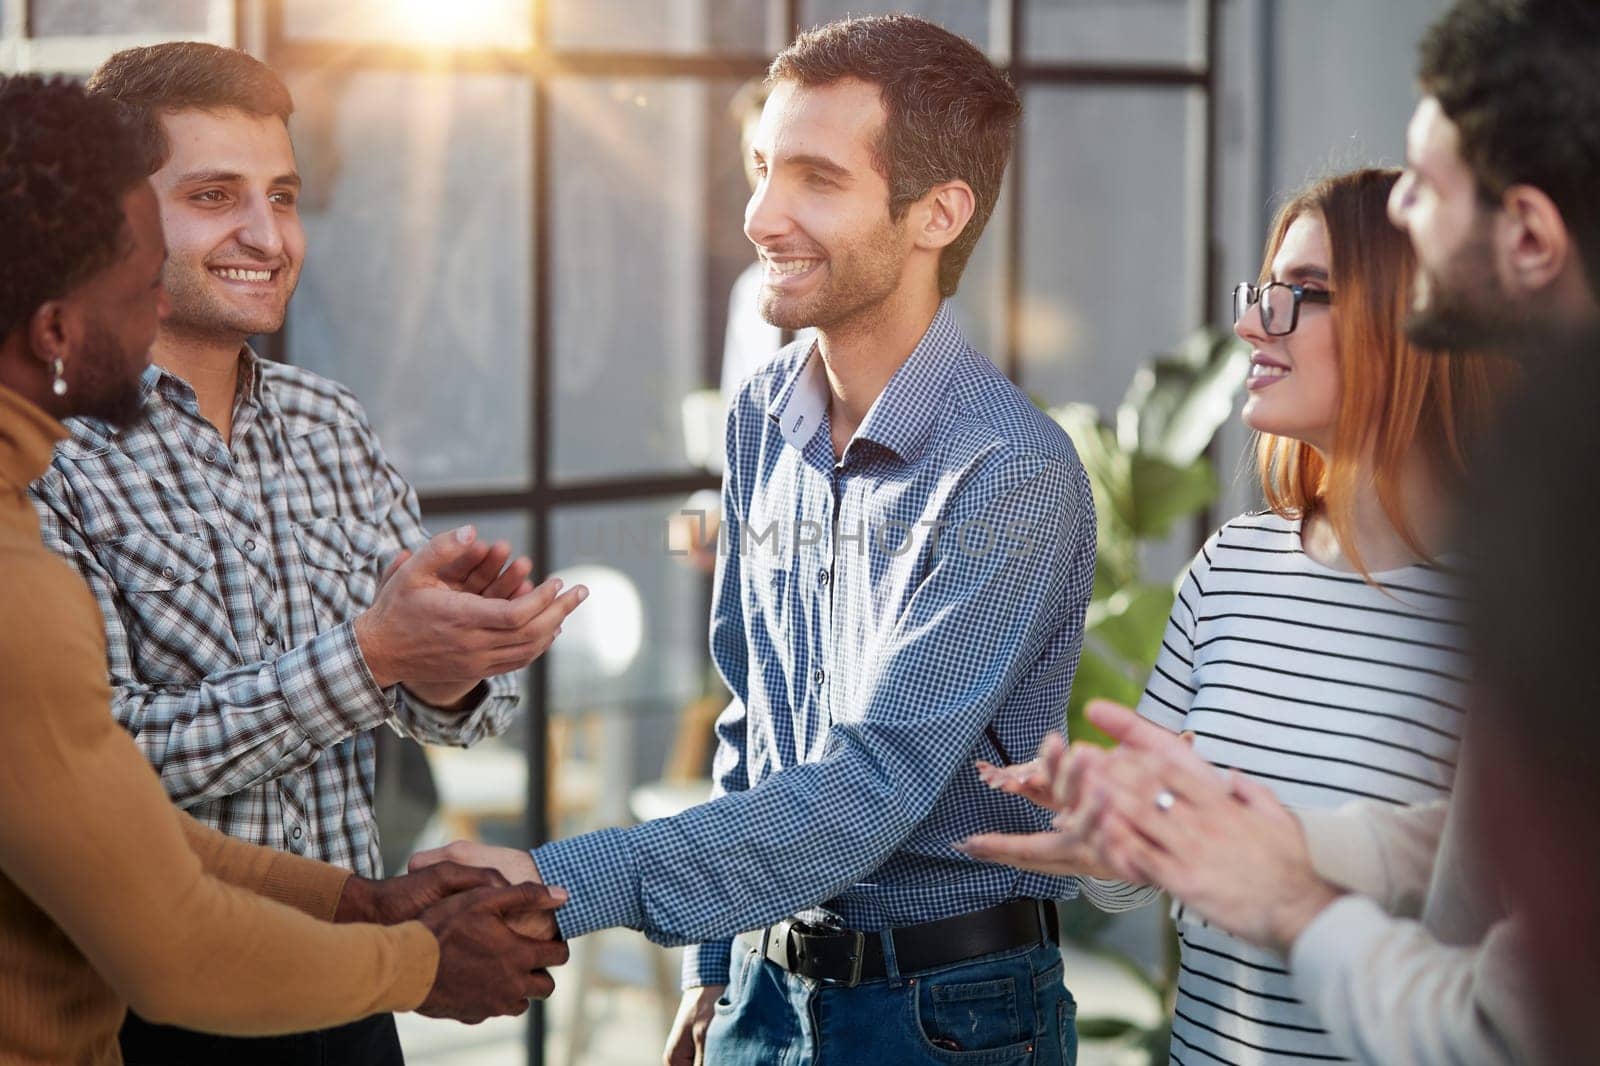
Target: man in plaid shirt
x=237, y=539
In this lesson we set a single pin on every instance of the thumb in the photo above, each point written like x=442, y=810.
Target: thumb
x=452, y=555
x=395, y=564
x=528, y=896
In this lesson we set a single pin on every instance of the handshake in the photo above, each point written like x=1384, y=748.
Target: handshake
x=497, y=940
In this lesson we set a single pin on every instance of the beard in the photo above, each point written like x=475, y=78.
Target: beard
x=1466, y=308
x=107, y=383
x=860, y=276
x=198, y=309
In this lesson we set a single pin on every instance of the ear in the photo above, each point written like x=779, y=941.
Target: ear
x=53, y=331
x=1533, y=245
x=943, y=213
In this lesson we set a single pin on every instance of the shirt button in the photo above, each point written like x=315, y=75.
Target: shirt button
x=269, y=637
x=250, y=546
x=210, y=456
x=297, y=832
x=818, y=676
x=822, y=577
x=168, y=572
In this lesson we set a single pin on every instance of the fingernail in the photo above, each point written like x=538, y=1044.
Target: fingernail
x=960, y=845
x=583, y=593
x=465, y=534
x=558, y=894
x=555, y=584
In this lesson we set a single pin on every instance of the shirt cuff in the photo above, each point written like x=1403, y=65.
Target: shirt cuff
x=1333, y=948
x=487, y=711
x=707, y=964
x=328, y=689
x=600, y=872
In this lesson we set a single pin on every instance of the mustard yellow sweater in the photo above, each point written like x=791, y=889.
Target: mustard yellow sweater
x=110, y=896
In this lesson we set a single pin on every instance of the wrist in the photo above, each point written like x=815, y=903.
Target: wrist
x=357, y=902
x=371, y=648
x=1292, y=918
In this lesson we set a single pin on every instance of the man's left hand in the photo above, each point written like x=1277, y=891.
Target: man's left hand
x=400, y=899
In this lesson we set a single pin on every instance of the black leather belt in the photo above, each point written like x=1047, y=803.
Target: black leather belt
x=848, y=957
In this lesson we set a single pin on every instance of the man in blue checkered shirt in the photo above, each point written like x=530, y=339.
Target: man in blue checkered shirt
x=237, y=540
x=908, y=559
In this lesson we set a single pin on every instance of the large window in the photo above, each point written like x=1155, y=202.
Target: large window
x=525, y=223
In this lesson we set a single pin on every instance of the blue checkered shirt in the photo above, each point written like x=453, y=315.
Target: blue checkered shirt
x=882, y=621
x=228, y=577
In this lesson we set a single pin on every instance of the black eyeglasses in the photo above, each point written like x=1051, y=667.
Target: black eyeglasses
x=1280, y=304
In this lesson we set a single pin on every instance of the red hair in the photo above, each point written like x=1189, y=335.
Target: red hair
x=1394, y=397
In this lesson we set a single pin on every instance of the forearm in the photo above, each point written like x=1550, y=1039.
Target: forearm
x=311, y=887
x=742, y=861
x=177, y=943
x=1377, y=850
x=250, y=724
x=1388, y=991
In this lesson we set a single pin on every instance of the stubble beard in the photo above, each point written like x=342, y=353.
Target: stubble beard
x=108, y=385
x=198, y=311
x=860, y=278
x=1467, y=309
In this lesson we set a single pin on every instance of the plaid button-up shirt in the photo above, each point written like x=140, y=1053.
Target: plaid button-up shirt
x=882, y=621
x=229, y=576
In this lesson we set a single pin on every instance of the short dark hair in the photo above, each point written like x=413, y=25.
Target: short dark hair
x=67, y=159
x=188, y=76
x=1520, y=79
x=951, y=113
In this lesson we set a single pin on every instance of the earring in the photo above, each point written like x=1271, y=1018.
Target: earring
x=59, y=385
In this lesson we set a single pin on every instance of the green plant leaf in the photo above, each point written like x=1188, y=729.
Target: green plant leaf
x=1175, y=403
x=1100, y=1027
x=1131, y=623
x=1163, y=493
x=1098, y=678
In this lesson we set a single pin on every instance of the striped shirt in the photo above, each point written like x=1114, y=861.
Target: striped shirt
x=229, y=575
x=882, y=619
x=1324, y=688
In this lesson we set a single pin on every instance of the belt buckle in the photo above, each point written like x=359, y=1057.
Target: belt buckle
x=795, y=936
x=857, y=952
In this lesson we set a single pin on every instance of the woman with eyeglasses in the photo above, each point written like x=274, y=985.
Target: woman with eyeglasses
x=1315, y=646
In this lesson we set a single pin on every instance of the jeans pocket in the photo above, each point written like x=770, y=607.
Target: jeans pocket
x=970, y=1021
x=737, y=979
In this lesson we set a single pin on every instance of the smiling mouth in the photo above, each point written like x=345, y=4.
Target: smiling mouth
x=240, y=274
x=789, y=269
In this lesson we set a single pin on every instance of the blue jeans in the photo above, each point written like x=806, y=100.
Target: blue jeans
x=998, y=1010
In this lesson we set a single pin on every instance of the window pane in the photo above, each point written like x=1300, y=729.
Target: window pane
x=647, y=213
x=661, y=25
x=483, y=792
x=972, y=19
x=416, y=288
x=634, y=656
x=1104, y=283
x=468, y=23
x=83, y=18
x=1108, y=31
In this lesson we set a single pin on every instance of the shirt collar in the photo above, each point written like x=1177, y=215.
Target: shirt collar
x=252, y=389
x=27, y=438
x=902, y=415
